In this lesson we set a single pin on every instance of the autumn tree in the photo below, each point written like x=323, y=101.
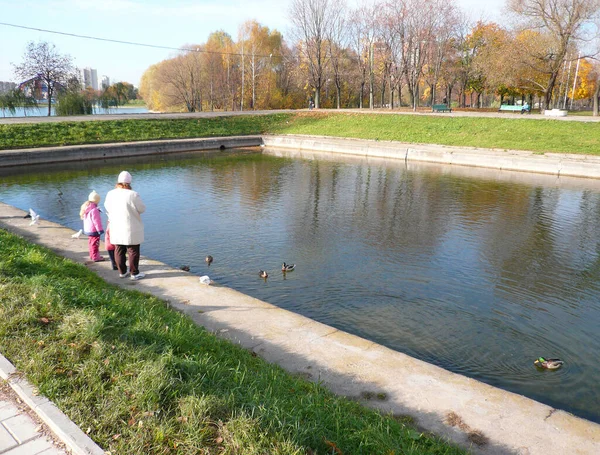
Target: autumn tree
x=364, y=30
x=215, y=74
x=182, y=75
x=42, y=60
x=311, y=23
x=337, y=39
x=564, y=22
x=261, y=49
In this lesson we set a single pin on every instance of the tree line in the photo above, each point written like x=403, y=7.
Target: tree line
x=387, y=53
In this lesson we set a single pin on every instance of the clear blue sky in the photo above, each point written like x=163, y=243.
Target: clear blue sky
x=171, y=23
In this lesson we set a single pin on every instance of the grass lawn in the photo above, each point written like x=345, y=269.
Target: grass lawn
x=511, y=133
x=15, y=136
x=515, y=134
x=143, y=379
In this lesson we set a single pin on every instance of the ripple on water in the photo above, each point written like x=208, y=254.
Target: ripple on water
x=478, y=276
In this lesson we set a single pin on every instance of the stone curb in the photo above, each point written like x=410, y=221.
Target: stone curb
x=559, y=164
x=64, y=429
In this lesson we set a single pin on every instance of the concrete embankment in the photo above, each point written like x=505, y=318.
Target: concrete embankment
x=347, y=364
x=117, y=150
x=514, y=160
x=561, y=164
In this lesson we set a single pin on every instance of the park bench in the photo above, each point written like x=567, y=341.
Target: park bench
x=441, y=108
x=511, y=108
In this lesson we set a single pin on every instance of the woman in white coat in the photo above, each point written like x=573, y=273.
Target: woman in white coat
x=124, y=208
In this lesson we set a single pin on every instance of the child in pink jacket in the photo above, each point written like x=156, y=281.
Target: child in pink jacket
x=92, y=225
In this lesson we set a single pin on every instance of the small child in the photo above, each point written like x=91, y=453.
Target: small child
x=110, y=248
x=92, y=225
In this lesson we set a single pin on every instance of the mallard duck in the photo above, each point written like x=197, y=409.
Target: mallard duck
x=185, y=268
x=263, y=274
x=287, y=267
x=208, y=260
x=548, y=364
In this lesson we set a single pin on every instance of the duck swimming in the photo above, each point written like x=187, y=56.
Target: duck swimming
x=185, y=268
x=263, y=274
x=548, y=364
x=208, y=260
x=287, y=267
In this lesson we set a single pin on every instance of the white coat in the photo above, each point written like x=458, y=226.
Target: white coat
x=124, y=208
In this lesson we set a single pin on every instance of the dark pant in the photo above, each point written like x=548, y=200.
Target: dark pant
x=133, y=251
x=111, y=254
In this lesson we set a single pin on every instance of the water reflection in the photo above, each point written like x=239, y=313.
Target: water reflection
x=478, y=271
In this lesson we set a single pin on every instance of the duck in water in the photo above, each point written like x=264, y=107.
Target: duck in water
x=287, y=267
x=209, y=260
x=263, y=274
x=548, y=364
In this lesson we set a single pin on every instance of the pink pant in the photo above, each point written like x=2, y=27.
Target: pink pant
x=94, y=247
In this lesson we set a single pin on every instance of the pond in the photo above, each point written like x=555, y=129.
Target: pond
x=477, y=271
x=42, y=111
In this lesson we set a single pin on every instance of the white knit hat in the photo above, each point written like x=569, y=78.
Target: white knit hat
x=124, y=177
x=94, y=197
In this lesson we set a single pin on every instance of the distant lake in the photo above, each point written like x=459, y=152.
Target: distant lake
x=42, y=111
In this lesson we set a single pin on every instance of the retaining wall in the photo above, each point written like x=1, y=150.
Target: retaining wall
x=514, y=160
x=104, y=151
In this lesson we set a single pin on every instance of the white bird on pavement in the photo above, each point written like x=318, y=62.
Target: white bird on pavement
x=34, y=217
x=206, y=280
x=77, y=234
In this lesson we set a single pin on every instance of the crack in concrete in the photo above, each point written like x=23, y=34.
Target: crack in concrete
x=552, y=411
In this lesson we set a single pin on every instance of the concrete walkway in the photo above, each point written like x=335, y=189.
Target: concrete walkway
x=22, y=433
x=31, y=424
x=464, y=410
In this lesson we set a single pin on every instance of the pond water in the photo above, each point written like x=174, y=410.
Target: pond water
x=477, y=271
x=42, y=111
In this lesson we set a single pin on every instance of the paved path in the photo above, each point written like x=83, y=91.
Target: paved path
x=21, y=432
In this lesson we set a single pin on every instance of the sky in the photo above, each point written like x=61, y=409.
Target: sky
x=170, y=23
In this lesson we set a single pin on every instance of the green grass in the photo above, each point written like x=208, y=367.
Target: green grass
x=515, y=134
x=15, y=136
x=143, y=379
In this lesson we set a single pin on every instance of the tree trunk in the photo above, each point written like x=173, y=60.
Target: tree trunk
x=49, y=100
x=362, y=94
x=596, y=94
x=550, y=89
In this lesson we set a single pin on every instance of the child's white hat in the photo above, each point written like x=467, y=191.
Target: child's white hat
x=94, y=197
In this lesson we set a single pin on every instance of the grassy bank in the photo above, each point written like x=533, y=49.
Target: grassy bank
x=24, y=135
x=143, y=379
x=503, y=133
x=516, y=134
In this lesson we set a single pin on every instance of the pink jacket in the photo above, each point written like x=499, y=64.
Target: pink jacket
x=92, y=223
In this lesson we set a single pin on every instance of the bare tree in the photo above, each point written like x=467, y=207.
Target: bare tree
x=183, y=75
x=564, y=21
x=311, y=20
x=42, y=60
x=337, y=40
x=364, y=30
x=445, y=27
